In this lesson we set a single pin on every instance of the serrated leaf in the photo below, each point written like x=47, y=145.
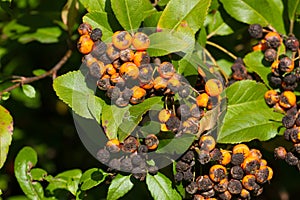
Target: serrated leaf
x=264, y=12
x=43, y=35
x=131, y=13
x=254, y=61
x=165, y=42
x=293, y=9
x=68, y=180
x=193, y=12
x=92, y=178
x=119, y=186
x=175, y=145
x=92, y=5
x=217, y=26
x=160, y=187
x=25, y=160
x=6, y=131
x=38, y=72
x=71, y=88
x=98, y=19
x=29, y=90
x=135, y=114
x=248, y=117
x=38, y=174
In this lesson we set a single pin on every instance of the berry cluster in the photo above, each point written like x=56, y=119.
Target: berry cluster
x=130, y=156
x=239, y=173
x=284, y=79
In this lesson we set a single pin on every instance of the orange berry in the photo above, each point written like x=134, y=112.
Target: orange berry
x=84, y=29
x=287, y=99
x=129, y=70
x=241, y=148
x=217, y=173
x=141, y=57
x=226, y=157
x=271, y=97
x=213, y=87
x=121, y=39
x=140, y=41
x=202, y=100
x=85, y=44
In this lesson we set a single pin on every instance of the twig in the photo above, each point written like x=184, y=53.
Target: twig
x=25, y=80
x=222, y=49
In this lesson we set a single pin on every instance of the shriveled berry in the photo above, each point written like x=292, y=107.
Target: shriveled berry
x=104, y=83
x=292, y=43
x=127, y=94
x=280, y=153
x=234, y=186
x=188, y=175
x=141, y=57
x=160, y=83
x=239, y=71
x=217, y=173
x=270, y=55
x=137, y=160
x=291, y=159
x=126, y=165
x=203, y=157
x=182, y=166
x=113, y=93
x=188, y=156
x=237, y=159
x=183, y=111
x=130, y=144
x=255, y=153
x=261, y=46
x=286, y=64
x=249, y=182
x=191, y=188
x=255, y=31
x=213, y=87
x=196, y=112
x=142, y=149
x=207, y=142
x=273, y=40
x=121, y=102
x=287, y=133
x=225, y=195
x=151, y=141
x=173, y=123
x=103, y=156
x=112, y=52
x=114, y=164
x=126, y=55
x=174, y=84
x=287, y=99
x=139, y=173
x=208, y=194
x=184, y=91
x=288, y=121
x=204, y=183
x=226, y=157
x=257, y=191
x=262, y=174
x=237, y=172
x=96, y=34
x=275, y=81
x=178, y=177
x=241, y=148
x=297, y=147
x=152, y=170
x=113, y=145
x=245, y=194
x=99, y=49
x=295, y=135
x=166, y=70
x=216, y=154
x=250, y=165
x=84, y=29
x=145, y=73
x=138, y=95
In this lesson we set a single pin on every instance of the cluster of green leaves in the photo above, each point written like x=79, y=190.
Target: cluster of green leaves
x=185, y=28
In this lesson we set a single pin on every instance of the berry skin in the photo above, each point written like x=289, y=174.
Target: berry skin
x=261, y=46
x=141, y=57
x=226, y=157
x=241, y=148
x=287, y=99
x=121, y=39
x=262, y=174
x=204, y=183
x=85, y=44
x=292, y=43
x=113, y=145
x=202, y=100
x=166, y=70
x=84, y=29
x=221, y=186
x=151, y=141
x=213, y=87
x=96, y=34
x=255, y=31
x=138, y=95
x=207, y=143
x=249, y=182
x=291, y=159
x=160, y=83
x=250, y=165
x=234, y=186
x=126, y=55
x=273, y=40
x=140, y=41
x=164, y=115
x=217, y=173
x=286, y=64
x=112, y=52
x=270, y=55
x=237, y=172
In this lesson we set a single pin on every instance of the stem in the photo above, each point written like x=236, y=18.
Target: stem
x=222, y=49
x=25, y=80
x=291, y=25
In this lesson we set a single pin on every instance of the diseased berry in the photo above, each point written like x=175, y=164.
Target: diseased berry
x=174, y=84
x=236, y=172
x=99, y=49
x=138, y=95
x=188, y=156
x=178, y=177
x=216, y=154
x=129, y=70
x=141, y=57
x=255, y=153
x=213, y=87
x=166, y=70
x=204, y=183
x=85, y=44
x=225, y=195
x=203, y=157
x=234, y=186
x=270, y=55
x=202, y=100
x=241, y=148
x=221, y=186
x=286, y=64
x=273, y=40
x=239, y=71
x=288, y=121
x=245, y=194
x=164, y=115
x=261, y=46
x=140, y=41
x=96, y=34
x=173, y=123
x=160, y=83
x=217, y=173
x=191, y=188
x=121, y=39
x=198, y=197
x=280, y=153
x=142, y=149
x=121, y=102
x=139, y=173
x=126, y=165
x=274, y=81
x=226, y=157
x=188, y=175
x=291, y=159
x=130, y=144
x=250, y=165
x=292, y=43
x=104, y=84
x=208, y=194
x=196, y=112
x=255, y=31
x=151, y=141
x=207, y=142
x=114, y=164
x=257, y=191
x=84, y=29
x=126, y=55
x=103, y=156
x=263, y=174
x=287, y=99
x=182, y=166
x=295, y=135
x=153, y=170
x=184, y=91
x=237, y=159
x=297, y=147
x=113, y=145
x=112, y=52
x=249, y=182
x=137, y=160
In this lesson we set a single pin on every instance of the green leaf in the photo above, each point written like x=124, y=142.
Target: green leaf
x=95, y=106
x=25, y=160
x=38, y=174
x=38, y=72
x=71, y=88
x=254, y=63
x=225, y=66
x=5, y=96
x=98, y=19
x=92, y=178
x=192, y=12
x=92, y=5
x=119, y=186
x=216, y=25
x=175, y=145
x=29, y=90
x=264, y=12
x=248, y=117
x=131, y=13
x=68, y=180
x=112, y=117
x=135, y=114
x=69, y=14
x=160, y=187
x=152, y=20
x=293, y=9
x=42, y=35
x=162, y=2
x=165, y=42
x=6, y=131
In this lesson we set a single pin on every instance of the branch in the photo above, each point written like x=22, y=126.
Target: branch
x=52, y=72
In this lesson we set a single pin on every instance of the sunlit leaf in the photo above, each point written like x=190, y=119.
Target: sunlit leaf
x=29, y=90
x=119, y=186
x=6, y=131
x=92, y=178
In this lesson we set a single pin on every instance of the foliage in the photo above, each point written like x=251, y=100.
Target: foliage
x=191, y=34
